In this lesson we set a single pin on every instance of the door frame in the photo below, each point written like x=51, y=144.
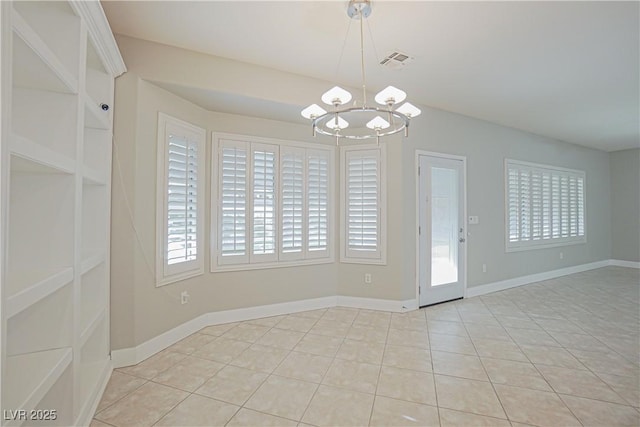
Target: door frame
x=464, y=213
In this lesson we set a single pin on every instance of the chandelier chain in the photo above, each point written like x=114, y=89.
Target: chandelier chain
x=364, y=81
x=344, y=45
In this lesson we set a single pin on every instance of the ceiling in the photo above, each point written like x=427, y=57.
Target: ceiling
x=565, y=70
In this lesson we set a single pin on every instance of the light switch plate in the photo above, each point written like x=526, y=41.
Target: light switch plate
x=473, y=219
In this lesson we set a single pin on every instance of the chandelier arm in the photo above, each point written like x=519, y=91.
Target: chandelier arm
x=334, y=124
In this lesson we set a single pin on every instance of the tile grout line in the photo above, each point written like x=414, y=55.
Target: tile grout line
x=375, y=393
x=433, y=372
x=325, y=373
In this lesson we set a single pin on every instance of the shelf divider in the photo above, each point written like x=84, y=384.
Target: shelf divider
x=91, y=259
x=91, y=327
x=44, y=284
x=43, y=158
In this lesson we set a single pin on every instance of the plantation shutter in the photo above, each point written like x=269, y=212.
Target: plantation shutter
x=182, y=202
x=233, y=202
x=317, y=203
x=513, y=192
x=292, y=202
x=179, y=206
x=543, y=204
x=263, y=226
x=363, y=204
x=546, y=206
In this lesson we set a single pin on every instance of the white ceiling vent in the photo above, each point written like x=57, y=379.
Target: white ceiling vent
x=396, y=60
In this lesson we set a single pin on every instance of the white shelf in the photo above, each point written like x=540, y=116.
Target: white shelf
x=92, y=325
x=94, y=116
x=37, y=158
x=61, y=60
x=91, y=259
x=92, y=177
x=29, y=287
x=36, y=61
x=28, y=377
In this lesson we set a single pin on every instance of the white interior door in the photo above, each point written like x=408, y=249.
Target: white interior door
x=442, y=233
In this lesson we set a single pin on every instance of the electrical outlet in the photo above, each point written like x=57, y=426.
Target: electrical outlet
x=184, y=297
x=484, y=268
x=367, y=278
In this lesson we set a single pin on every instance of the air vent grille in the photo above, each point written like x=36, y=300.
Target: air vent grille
x=396, y=60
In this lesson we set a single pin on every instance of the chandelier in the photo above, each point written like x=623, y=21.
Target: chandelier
x=359, y=122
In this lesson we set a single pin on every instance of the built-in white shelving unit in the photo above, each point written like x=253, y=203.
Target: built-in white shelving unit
x=59, y=62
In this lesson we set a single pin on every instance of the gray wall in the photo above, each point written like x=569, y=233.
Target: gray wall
x=141, y=311
x=485, y=146
x=625, y=204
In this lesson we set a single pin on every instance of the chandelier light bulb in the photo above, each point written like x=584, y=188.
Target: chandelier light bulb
x=312, y=111
x=336, y=96
x=337, y=123
x=409, y=110
x=390, y=95
x=378, y=123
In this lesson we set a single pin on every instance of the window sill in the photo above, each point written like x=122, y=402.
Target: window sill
x=178, y=277
x=267, y=265
x=371, y=261
x=542, y=244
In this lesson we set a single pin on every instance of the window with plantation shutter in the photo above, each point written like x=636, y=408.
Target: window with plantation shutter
x=180, y=210
x=292, y=207
x=264, y=162
x=544, y=206
x=233, y=202
x=363, y=204
x=318, y=163
x=271, y=203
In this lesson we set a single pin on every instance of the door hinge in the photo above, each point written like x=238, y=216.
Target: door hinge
x=419, y=230
x=418, y=170
x=419, y=290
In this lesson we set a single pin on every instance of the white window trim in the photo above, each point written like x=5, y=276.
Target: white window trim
x=247, y=263
x=166, y=274
x=380, y=258
x=548, y=243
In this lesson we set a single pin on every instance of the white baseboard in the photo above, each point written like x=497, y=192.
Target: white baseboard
x=135, y=355
x=538, y=277
x=410, y=305
x=623, y=263
x=376, y=304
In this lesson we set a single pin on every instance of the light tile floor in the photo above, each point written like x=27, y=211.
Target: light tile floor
x=557, y=353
